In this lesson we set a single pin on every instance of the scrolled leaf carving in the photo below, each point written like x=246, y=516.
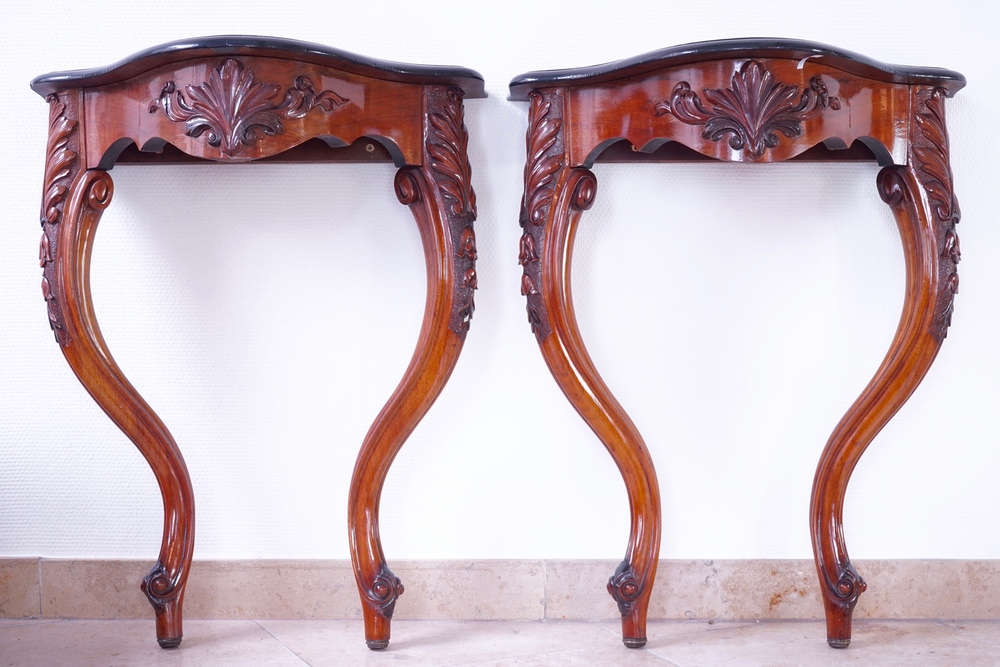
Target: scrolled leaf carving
x=447, y=166
x=933, y=168
x=233, y=110
x=753, y=111
x=543, y=163
x=448, y=147
x=545, y=160
x=61, y=162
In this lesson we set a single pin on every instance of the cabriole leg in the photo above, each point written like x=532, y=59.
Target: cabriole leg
x=66, y=247
x=441, y=199
x=922, y=199
x=554, y=198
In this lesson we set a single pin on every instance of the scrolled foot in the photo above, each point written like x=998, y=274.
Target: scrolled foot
x=377, y=644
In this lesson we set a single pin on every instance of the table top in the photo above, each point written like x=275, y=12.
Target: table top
x=471, y=82
x=728, y=49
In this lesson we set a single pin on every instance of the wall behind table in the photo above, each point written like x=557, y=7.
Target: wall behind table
x=267, y=312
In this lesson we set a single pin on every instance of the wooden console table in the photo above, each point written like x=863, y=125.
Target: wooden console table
x=744, y=100
x=238, y=99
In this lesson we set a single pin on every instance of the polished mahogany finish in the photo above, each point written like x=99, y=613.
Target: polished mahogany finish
x=238, y=99
x=745, y=100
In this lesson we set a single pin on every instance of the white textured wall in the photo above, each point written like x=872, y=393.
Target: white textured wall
x=267, y=312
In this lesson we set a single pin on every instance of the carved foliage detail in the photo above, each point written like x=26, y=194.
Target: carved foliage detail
x=384, y=591
x=448, y=157
x=545, y=159
x=233, y=111
x=933, y=168
x=448, y=145
x=753, y=111
x=624, y=588
x=60, y=162
x=543, y=162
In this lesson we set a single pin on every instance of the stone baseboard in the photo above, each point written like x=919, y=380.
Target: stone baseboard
x=499, y=589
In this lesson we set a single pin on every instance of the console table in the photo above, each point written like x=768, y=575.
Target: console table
x=743, y=100
x=239, y=99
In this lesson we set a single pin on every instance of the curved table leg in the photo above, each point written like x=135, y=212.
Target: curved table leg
x=447, y=246
x=554, y=199
x=922, y=200
x=66, y=249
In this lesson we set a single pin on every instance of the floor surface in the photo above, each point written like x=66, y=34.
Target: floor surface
x=495, y=643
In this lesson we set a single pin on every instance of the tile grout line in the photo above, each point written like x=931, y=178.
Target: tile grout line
x=283, y=645
x=961, y=631
x=545, y=589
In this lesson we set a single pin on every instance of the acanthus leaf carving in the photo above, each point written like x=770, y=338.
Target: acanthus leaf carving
x=232, y=110
x=545, y=160
x=932, y=151
x=60, y=163
x=542, y=164
x=449, y=156
x=448, y=167
x=753, y=111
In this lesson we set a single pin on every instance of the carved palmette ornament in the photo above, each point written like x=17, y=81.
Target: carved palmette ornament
x=752, y=111
x=233, y=111
x=447, y=150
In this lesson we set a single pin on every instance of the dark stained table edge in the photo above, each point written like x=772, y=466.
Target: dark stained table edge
x=470, y=81
x=759, y=47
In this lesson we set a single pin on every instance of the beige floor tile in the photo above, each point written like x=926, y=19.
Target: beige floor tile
x=886, y=644
x=317, y=643
x=133, y=643
x=603, y=656
x=330, y=643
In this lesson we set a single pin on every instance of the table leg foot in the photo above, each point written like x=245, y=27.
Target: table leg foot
x=169, y=643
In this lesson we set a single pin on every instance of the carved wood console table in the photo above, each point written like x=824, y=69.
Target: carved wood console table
x=238, y=99
x=745, y=100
